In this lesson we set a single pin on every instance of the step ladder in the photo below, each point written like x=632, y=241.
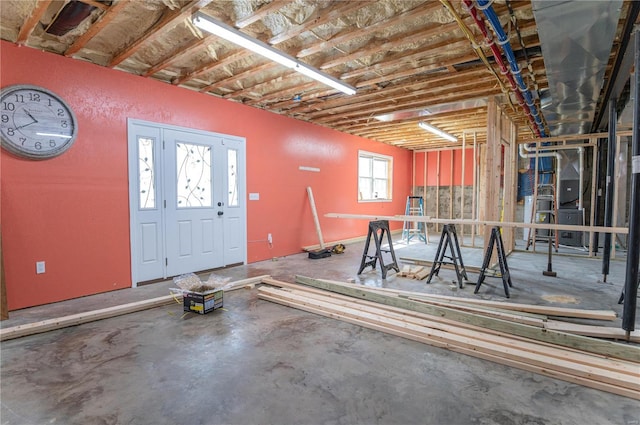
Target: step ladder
x=545, y=210
x=449, y=239
x=378, y=229
x=415, y=207
x=495, y=240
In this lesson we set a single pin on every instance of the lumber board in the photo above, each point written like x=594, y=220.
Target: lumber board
x=607, y=348
x=607, y=332
x=427, y=219
x=348, y=306
x=310, y=291
x=585, y=376
x=609, y=315
x=316, y=221
x=80, y=318
x=105, y=313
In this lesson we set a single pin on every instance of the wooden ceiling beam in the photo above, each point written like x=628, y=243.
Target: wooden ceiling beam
x=169, y=20
x=236, y=78
x=30, y=23
x=189, y=49
x=212, y=66
x=369, y=30
x=263, y=11
x=97, y=4
x=319, y=17
x=105, y=19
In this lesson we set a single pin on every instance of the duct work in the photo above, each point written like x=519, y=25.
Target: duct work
x=576, y=39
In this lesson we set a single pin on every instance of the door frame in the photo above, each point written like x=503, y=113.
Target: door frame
x=132, y=173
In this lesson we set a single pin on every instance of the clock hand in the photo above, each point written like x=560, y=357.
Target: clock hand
x=30, y=116
x=23, y=126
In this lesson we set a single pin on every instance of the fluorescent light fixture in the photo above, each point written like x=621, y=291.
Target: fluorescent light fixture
x=436, y=130
x=232, y=35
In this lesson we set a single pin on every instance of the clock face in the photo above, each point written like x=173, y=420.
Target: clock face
x=35, y=123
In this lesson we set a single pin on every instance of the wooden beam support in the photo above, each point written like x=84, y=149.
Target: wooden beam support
x=590, y=345
x=27, y=27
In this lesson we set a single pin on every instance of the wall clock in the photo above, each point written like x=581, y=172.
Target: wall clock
x=35, y=123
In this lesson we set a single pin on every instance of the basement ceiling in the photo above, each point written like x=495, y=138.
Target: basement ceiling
x=410, y=60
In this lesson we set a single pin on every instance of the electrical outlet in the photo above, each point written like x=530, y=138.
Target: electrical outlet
x=40, y=267
x=270, y=238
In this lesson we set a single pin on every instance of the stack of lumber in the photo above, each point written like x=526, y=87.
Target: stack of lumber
x=519, y=339
x=413, y=272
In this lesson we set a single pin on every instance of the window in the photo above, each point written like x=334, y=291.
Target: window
x=374, y=176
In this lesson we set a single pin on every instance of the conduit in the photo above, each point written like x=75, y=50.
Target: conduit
x=490, y=14
x=503, y=68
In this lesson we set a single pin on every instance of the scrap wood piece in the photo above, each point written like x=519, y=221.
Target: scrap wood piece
x=316, y=221
x=606, y=332
x=607, y=348
x=607, y=380
x=523, y=308
x=351, y=306
x=105, y=313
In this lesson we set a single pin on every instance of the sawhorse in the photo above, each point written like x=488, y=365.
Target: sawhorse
x=495, y=239
x=378, y=229
x=449, y=238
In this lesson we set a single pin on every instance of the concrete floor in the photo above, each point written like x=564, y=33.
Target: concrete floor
x=256, y=362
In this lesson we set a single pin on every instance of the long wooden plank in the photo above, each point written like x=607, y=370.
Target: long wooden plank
x=438, y=319
x=607, y=348
x=344, y=304
x=104, y=313
x=427, y=219
x=615, y=382
x=606, y=332
x=523, y=308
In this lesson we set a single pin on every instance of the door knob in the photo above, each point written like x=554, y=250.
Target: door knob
x=220, y=212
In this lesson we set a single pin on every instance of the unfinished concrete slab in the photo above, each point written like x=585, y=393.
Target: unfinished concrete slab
x=256, y=362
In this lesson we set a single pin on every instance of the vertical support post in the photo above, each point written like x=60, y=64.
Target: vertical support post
x=462, y=169
x=608, y=204
x=492, y=167
x=633, y=252
x=474, y=189
x=424, y=195
x=594, y=183
x=413, y=175
x=437, y=188
x=451, y=215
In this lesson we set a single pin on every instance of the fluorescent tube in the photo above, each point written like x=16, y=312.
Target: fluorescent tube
x=232, y=35
x=437, y=131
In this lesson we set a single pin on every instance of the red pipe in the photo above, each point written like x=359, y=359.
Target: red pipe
x=497, y=55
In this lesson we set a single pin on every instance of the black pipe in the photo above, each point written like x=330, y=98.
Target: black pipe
x=608, y=202
x=633, y=252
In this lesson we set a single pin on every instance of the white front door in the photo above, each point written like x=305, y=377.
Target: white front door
x=187, y=192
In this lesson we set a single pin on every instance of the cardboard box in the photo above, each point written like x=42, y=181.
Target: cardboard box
x=203, y=302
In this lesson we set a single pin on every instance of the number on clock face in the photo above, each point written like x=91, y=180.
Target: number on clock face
x=35, y=122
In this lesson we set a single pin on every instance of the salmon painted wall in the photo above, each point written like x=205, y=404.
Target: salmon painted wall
x=72, y=211
x=445, y=168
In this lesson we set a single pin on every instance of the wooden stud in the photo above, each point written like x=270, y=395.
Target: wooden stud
x=575, y=341
x=474, y=213
x=462, y=186
x=30, y=23
x=437, y=188
x=316, y=221
x=4, y=311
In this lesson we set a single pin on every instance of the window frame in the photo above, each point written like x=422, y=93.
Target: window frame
x=373, y=156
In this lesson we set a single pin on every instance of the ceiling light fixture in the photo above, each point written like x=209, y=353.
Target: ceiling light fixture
x=231, y=34
x=436, y=130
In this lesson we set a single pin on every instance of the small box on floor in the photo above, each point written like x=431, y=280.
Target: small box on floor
x=203, y=302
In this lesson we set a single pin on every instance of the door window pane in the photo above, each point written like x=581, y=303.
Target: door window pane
x=146, y=173
x=193, y=165
x=232, y=177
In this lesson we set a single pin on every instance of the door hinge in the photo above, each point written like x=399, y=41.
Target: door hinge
x=166, y=261
x=163, y=144
x=165, y=203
